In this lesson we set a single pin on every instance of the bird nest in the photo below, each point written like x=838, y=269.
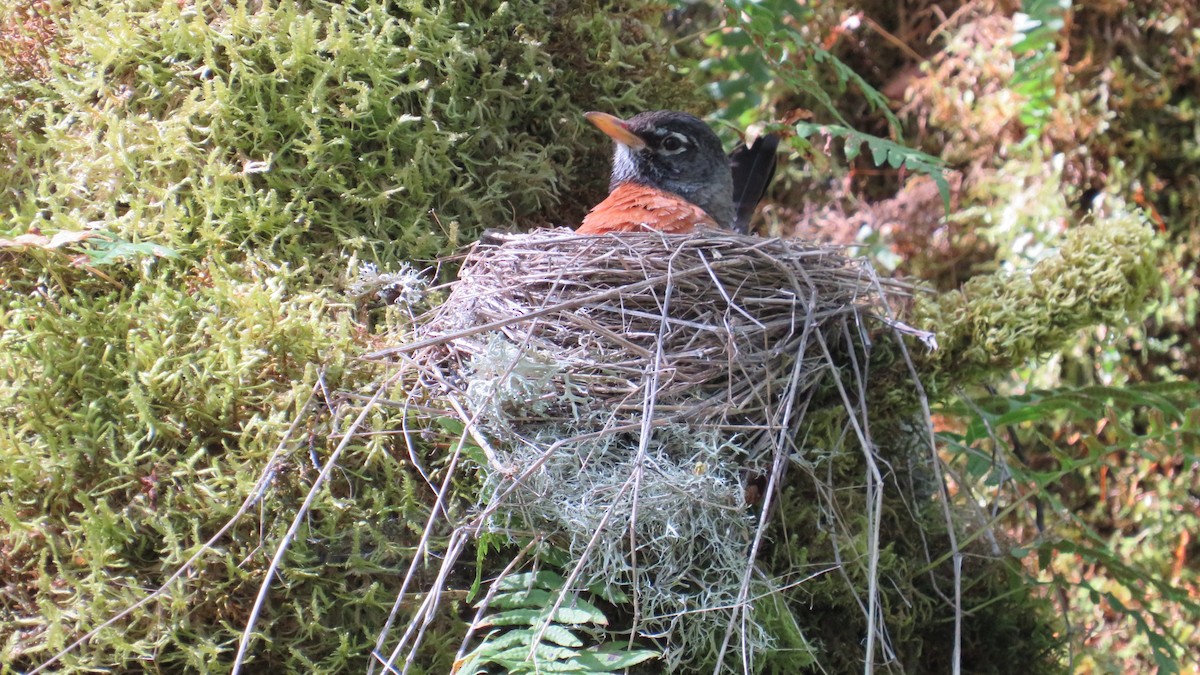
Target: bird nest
x=636, y=398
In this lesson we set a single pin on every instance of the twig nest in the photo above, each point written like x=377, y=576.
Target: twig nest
x=623, y=387
x=712, y=330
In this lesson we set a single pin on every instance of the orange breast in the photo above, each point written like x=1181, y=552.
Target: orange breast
x=635, y=208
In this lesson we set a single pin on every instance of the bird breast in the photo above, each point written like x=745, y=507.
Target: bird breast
x=632, y=207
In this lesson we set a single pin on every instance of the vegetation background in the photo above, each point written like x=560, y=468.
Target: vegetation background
x=200, y=200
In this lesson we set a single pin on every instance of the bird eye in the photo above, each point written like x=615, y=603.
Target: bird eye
x=672, y=144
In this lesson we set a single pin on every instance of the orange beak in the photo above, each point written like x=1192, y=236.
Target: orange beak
x=616, y=129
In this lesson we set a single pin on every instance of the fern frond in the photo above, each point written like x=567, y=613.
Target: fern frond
x=883, y=152
x=540, y=642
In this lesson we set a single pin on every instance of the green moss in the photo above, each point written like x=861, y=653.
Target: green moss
x=137, y=420
x=1007, y=627
x=1102, y=273
x=393, y=128
x=267, y=144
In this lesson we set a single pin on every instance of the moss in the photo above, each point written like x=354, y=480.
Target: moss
x=384, y=126
x=267, y=144
x=137, y=420
x=1007, y=627
x=1102, y=273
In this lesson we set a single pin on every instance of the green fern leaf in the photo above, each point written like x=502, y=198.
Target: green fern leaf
x=540, y=579
x=883, y=152
x=614, y=656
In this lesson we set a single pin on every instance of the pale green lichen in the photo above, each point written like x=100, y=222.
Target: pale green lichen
x=504, y=381
x=686, y=513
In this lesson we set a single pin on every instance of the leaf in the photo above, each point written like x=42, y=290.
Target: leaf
x=481, y=551
x=451, y=425
x=125, y=250
x=520, y=654
x=541, y=579
x=609, y=592
x=883, y=152
x=470, y=664
x=1089, y=402
x=552, y=555
x=560, y=636
x=112, y=251
x=526, y=599
x=1164, y=652
x=1040, y=26
x=572, y=610
x=613, y=656
x=512, y=617
x=529, y=617
x=847, y=74
x=762, y=49
x=553, y=633
x=1126, y=574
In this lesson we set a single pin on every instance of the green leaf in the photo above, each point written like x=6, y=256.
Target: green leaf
x=1164, y=651
x=524, y=636
x=526, y=599
x=451, y=425
x=1089, y=402
x=545, y=579
x=610, y=593
x=552, y=555
x=528, y=617
x=481, y=550
x=108, y=251
x=846, y=74
x=1045, y=556
x=613, y=656
x=883, y=152
x=572, y=610
x=561, y=636
x=512, y=617
x=521, y=654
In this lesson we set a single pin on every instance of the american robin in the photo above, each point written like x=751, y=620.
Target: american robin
x=671, y=174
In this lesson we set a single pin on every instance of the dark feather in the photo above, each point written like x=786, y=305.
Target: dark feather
x=753, y=167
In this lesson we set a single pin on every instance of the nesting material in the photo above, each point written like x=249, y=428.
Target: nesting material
x=625, y=387
x=713, y=329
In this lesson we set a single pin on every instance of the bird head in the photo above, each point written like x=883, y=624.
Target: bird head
x=671, y=151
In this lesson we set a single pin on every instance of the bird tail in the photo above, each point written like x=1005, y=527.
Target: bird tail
x=753, y=167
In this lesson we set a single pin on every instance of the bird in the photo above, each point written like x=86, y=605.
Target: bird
x=670, y=174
